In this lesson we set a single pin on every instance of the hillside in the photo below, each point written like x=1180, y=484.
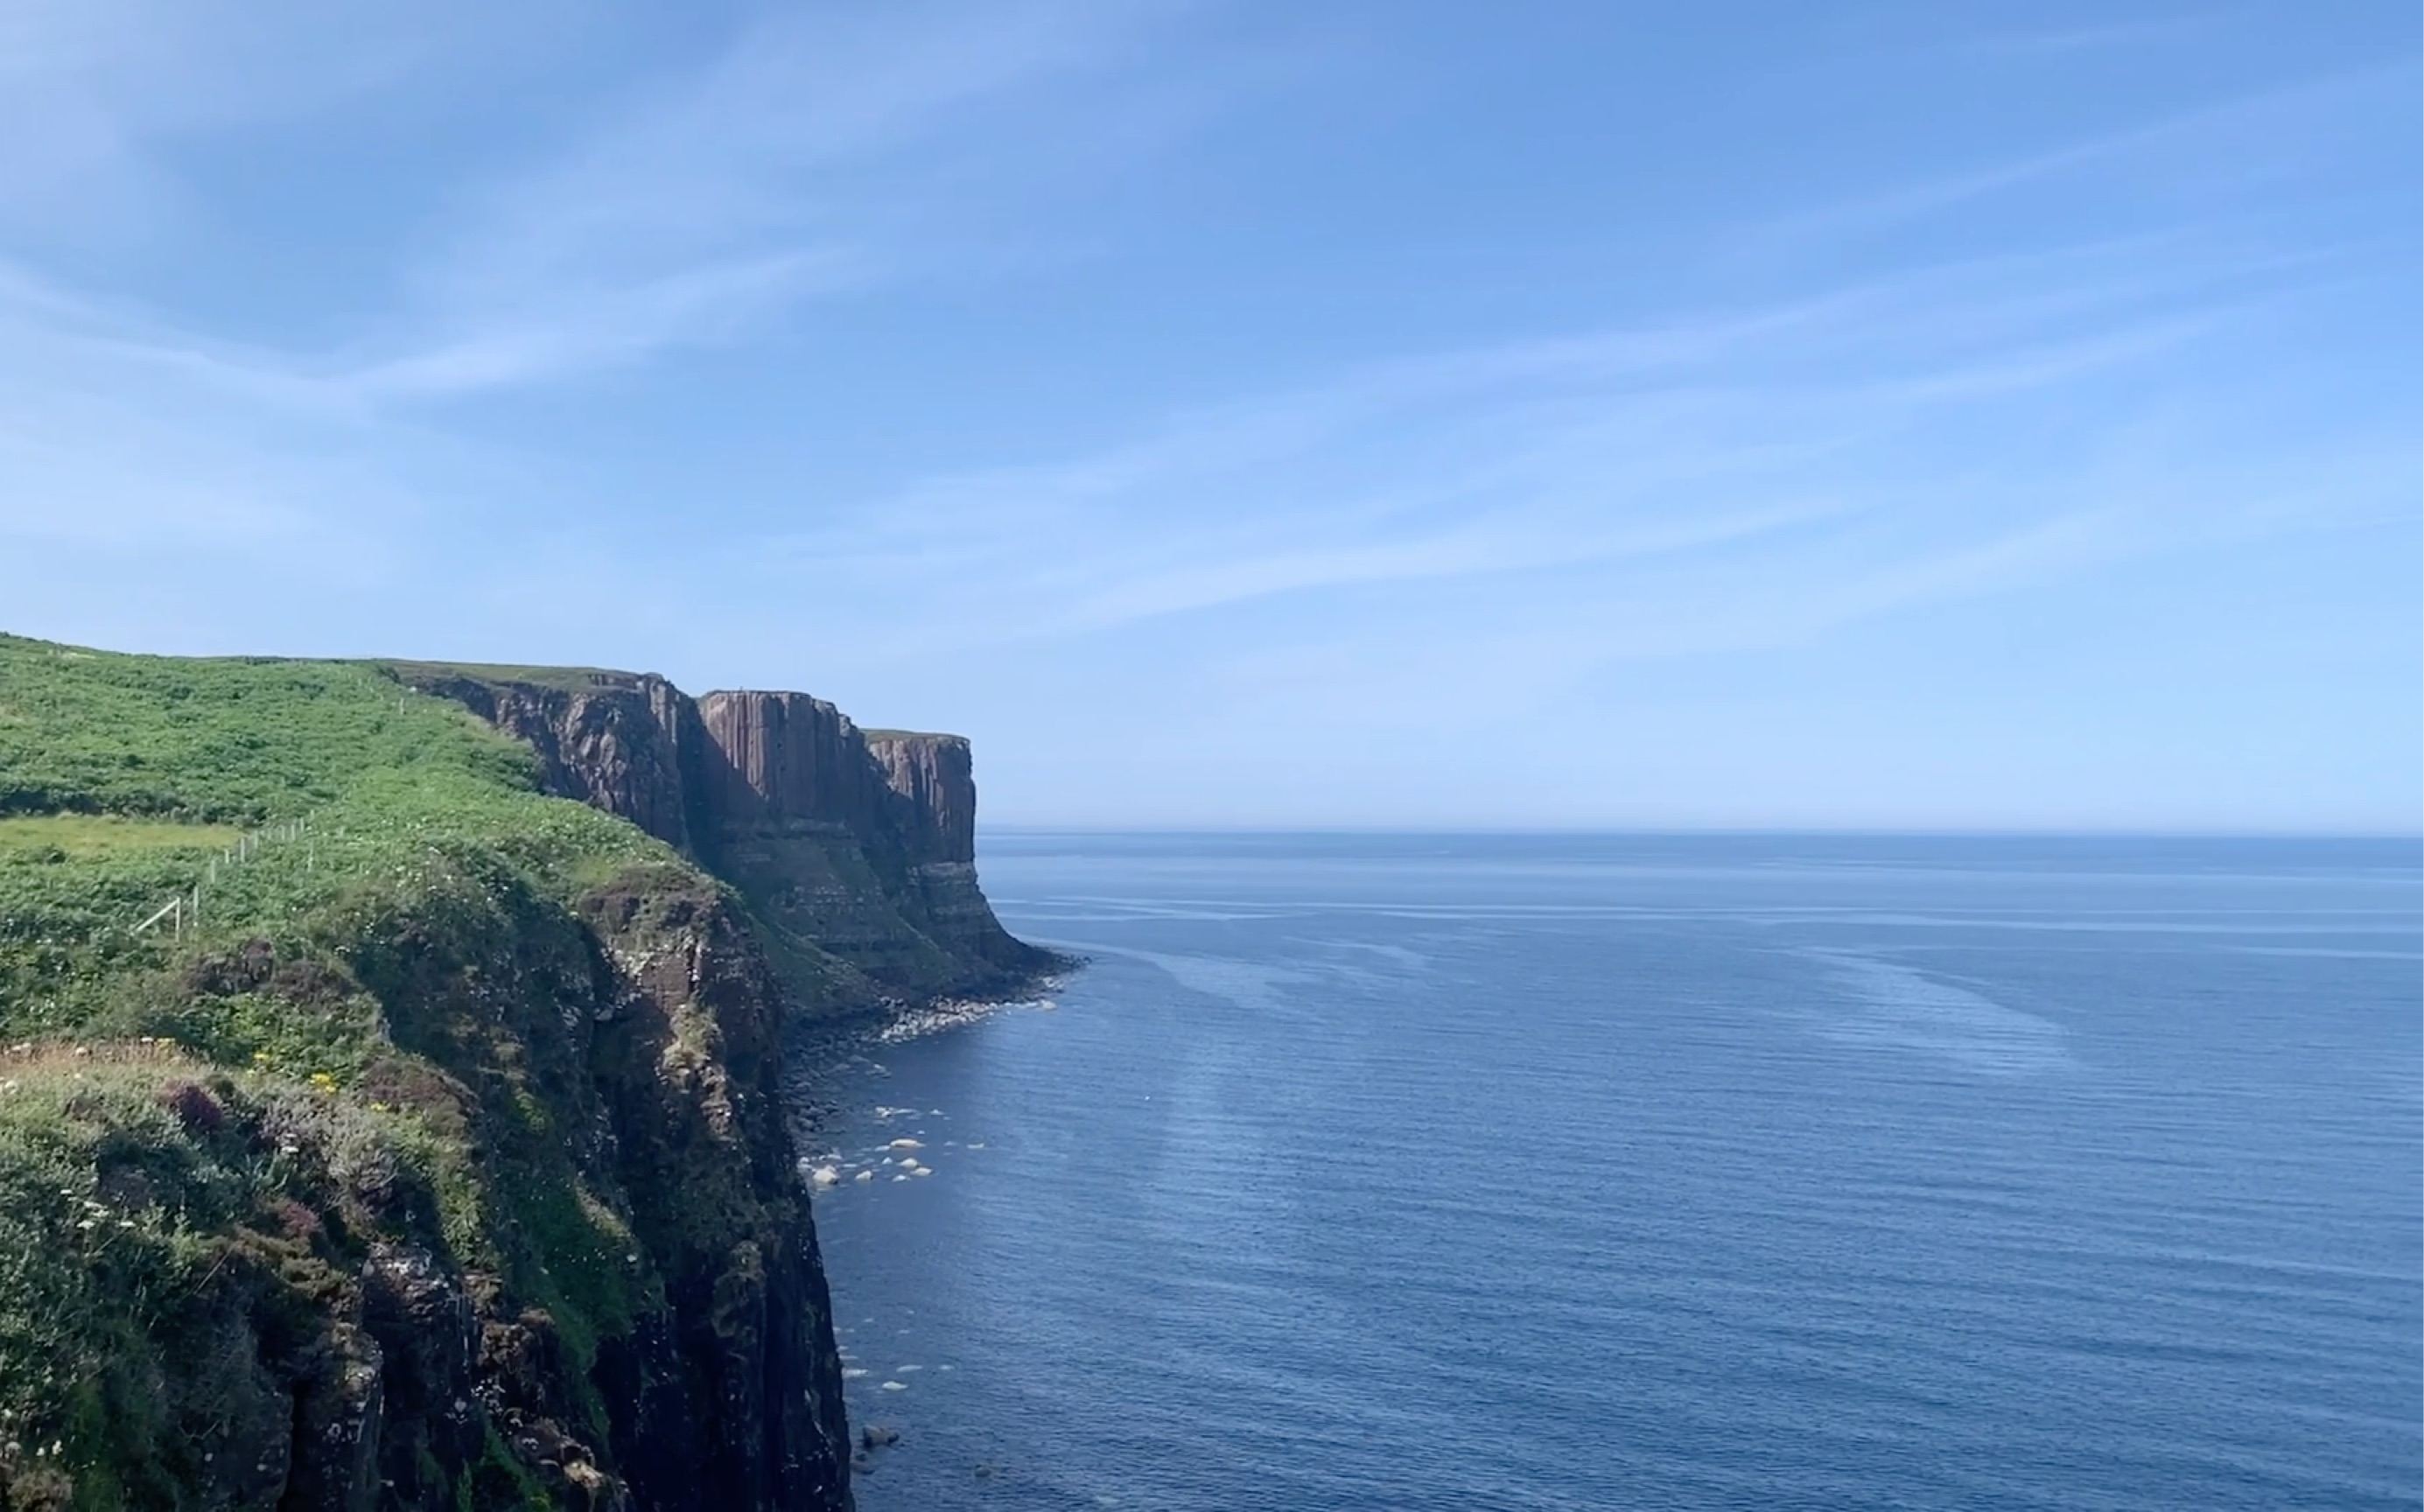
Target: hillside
x=380, y=1129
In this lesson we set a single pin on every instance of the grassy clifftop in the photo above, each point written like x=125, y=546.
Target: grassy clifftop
x=126, y=781
x=412, y=1042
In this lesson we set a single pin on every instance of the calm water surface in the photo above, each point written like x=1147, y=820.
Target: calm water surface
x=1416, y=1172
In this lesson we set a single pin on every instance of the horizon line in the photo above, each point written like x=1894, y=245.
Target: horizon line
x=1705, y=832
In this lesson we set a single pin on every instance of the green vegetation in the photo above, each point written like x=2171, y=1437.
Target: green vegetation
x=125, y=779
x=385, y=918
x=133, y=1179
x=88, y=837
x=235, y=740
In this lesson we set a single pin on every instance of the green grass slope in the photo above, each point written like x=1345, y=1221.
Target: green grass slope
x=128, y=781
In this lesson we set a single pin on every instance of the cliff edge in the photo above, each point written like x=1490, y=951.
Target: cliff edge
x=380, y=1130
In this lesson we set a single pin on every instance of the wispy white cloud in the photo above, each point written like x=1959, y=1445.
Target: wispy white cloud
x=697, y=207
x=1830, y=430
x=574, y=332
x=788, y=166
x=745, y=149
x=96, y=94
x=2267, y=131
x=2061, y=42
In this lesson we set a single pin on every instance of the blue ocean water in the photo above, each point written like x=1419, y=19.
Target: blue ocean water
x=1596, y=1173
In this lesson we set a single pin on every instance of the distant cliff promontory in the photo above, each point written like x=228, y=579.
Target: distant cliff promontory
x=855, y=848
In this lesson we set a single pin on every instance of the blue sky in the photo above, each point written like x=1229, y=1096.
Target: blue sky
x=1571, y=414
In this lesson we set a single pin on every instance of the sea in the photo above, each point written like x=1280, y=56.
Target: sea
x=1374, y=1173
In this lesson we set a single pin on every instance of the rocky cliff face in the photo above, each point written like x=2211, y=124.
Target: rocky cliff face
x=606, y=1295
x=856, y=852
x=658, y=1335
x=630, y=745
x=933, y=777
x=790, y=759
x=730, y=1395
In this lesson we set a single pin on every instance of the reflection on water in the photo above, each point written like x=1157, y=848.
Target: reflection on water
x=1898, y=1008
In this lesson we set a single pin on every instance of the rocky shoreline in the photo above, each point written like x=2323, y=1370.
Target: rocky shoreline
x=819, y=1054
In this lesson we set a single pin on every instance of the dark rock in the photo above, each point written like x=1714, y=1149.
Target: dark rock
x=933, y=777
x=428, y=1339
x=339, y=1409
x=738, y=1402
x=194, y=1107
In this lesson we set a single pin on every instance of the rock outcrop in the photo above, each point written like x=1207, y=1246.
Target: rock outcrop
x=855, y=850
x=933, y=775
x=790, y=759
x=630, y=745
x=731, y=1395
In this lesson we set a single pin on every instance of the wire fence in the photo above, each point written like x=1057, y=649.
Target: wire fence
x=183, y=913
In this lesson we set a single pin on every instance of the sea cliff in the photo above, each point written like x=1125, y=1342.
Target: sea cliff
x=380, y=1130
x=855, y=850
